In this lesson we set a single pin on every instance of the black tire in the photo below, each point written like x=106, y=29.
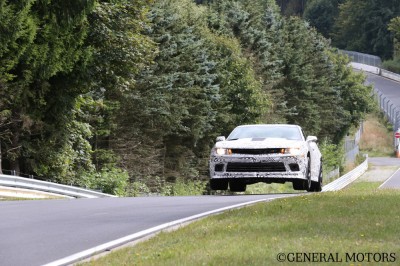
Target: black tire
x=307, y=182
x=237, y=186
x=217, y=184
x=317, y=186
x=298, y=185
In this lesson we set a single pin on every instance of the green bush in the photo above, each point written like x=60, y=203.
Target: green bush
x=392, y=65
x=138, y=188
x=332, y=155
x=182, y=188
x=112, y=181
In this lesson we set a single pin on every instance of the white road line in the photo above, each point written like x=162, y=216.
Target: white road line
x=387, y=180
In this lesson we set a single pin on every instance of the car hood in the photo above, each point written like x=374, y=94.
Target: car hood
x=259, y=143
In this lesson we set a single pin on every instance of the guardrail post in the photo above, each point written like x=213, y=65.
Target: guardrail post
x=387, y=108
x=13, y=172
x=383, y=105
x=390, y=112
x=393, y=115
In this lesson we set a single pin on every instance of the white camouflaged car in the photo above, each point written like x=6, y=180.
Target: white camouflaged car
x=267, y=153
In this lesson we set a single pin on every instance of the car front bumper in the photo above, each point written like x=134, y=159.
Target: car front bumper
x=264, y=168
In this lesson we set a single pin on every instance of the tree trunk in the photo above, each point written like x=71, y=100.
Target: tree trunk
x=15, y=166
x=14, y=163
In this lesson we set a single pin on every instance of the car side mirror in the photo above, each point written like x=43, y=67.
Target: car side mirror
x=220, y=138
x=311, y=139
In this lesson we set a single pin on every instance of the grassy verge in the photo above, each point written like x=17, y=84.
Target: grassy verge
x=263, y=188
x=357, y=220
x=377, y=138
x=20, y=199
x=11, y=199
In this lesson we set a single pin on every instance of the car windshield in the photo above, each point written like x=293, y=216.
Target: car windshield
x=284, y=132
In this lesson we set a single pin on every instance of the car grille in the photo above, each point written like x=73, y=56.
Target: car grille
x=256, y=167
x=256, y=151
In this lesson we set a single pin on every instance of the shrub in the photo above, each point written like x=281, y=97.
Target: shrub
x=112, y=181
x=392, y=65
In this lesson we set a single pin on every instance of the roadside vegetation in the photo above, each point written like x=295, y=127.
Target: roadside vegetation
x=358, y=219
x=377, y=137
x=128, y=96
x=12, y=198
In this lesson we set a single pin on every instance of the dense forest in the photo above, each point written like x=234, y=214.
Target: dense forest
x=126, y=96
x=355, y=25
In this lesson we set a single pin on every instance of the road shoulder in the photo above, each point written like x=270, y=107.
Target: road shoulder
x=380, y=169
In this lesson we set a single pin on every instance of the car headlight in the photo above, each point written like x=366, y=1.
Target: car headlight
x=292, y=151
x=295, y=151
x=222, y=151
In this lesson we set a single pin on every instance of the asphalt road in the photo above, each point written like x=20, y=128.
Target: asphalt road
x=390, y=88
x=394, y=180
x=43, y=231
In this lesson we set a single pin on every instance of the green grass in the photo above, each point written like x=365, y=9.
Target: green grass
x=263, y=188
x=358, y=219
x=20, y=199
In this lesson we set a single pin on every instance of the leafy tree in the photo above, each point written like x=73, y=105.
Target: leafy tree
x=352, y=99
x=394, y=27
x=296, y=66
x=303, y=50
x=394, y=64
x=292, y=7
x=363, y=26
x=92, y=93
x=258, y=26
x=41, y=45
x=327, y=96
x=68, y=151
x=176, y=94
x=199, y=86
x=119, y=51
x=321, y=14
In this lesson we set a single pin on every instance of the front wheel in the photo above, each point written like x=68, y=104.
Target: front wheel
x=307, y=182
x=317, y=186
x=304, y=184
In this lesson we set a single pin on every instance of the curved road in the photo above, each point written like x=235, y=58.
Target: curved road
x=391, y=90
x=40, y=232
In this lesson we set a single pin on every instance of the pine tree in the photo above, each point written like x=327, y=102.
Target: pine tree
x=41, y=45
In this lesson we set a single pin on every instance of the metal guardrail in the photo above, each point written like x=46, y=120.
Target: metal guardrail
x=70, y=191
x=348, y=178
x=390, y=75
x=390, y=110
x=366, y=59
